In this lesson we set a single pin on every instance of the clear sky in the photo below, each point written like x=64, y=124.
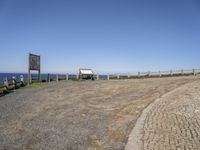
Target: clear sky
x=106, y=35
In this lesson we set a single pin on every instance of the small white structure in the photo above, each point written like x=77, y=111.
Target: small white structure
x=86, y=73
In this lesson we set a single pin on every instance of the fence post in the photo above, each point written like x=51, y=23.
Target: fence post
x=77, y=76
x=14, y=80
x=48, y=78
x=194, y=72
x=108, y=77
x=57, y=78
x=160, y=74
x=171, y=73
x=5, y=82
x=138, y=74
x=67, y=76
x=182, y=71
x=97, y=76
x=22, y=78
x=149, y=73
x=118, y=77
x=128, y=75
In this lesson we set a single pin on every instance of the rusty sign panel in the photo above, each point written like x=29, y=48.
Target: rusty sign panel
x=34, y=62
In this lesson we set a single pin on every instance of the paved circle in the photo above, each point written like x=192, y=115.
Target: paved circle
x=172, y=122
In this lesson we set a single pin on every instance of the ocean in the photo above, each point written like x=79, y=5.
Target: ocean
x=34, y=76
x=17, y=75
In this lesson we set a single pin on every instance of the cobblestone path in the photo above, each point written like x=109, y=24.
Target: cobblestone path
x=172, y=122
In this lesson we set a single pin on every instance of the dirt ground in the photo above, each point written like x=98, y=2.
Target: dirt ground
x=80, y=115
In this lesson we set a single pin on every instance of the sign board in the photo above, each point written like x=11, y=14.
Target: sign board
x=34, y=64
x=34, y=61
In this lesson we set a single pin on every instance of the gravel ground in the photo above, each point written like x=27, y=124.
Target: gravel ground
x=172, y=122
x=78, y=115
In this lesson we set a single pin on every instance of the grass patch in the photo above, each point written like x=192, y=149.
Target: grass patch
x=1, y=90
x=4, y=91
x=36, y=84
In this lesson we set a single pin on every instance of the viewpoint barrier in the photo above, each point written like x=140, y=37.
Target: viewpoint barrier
x=14, y=83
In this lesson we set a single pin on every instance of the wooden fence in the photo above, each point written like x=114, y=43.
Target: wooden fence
x=60, y=77
x=156, y=74
x=128, y=75
x=13, y=83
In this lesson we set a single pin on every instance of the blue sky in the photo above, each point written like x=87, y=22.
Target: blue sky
x=106, y=35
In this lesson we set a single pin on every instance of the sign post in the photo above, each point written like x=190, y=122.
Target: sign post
x=34, y=64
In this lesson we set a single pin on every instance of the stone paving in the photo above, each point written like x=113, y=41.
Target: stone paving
x=172, y=122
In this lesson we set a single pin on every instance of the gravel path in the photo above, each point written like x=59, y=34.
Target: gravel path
x=172, y=122
x=80, y=115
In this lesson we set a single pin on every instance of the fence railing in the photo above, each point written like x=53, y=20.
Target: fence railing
x=59, y=77
x=11, y=84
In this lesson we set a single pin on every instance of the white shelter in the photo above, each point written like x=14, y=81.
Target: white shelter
x=86, y=73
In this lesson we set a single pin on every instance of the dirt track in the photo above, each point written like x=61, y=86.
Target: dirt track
x=78, y=115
